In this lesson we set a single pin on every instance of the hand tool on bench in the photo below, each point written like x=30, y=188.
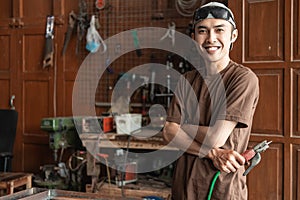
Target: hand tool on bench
x=68, y=35
x=48, y=51
x=253, y=155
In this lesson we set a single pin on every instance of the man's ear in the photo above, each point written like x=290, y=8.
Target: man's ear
x=193, y=35
x=234, y=35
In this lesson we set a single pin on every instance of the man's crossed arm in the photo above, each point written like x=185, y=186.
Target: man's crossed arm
x=205, y=141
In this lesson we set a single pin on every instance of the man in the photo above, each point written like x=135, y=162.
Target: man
x=214, y=131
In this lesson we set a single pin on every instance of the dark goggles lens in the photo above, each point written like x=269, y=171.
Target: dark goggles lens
x=216, y=12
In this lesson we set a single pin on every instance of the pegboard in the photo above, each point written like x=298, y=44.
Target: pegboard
x=122, y=15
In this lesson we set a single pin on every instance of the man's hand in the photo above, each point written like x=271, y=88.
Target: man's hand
x=226, y=160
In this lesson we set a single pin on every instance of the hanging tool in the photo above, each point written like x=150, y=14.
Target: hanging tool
x=253, y=155
x=82, y=24
x=136, y=43
x=100, y=4
x=170, y=33
x=71, y=24
x=48, y=51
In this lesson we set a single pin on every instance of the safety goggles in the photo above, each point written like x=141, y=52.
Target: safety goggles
x=215, y=11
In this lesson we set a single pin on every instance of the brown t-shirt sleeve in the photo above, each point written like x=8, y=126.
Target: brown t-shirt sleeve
x=241, y=99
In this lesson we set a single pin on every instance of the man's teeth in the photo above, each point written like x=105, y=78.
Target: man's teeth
x=212, y=48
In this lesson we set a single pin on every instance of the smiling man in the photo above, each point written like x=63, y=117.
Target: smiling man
x=214, y=129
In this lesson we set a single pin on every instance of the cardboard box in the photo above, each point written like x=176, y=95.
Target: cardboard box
x=128, y=123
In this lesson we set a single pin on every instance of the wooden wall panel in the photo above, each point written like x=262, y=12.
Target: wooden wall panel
x=6, y=12
x=268, y=118
x=36, y=102
x=257, y=16
x=41, y=8
x=68, y=98
x=33, y=45
x=42, y=155
x=296, y=101
x=7, y=60
x=6, y=8
x=266, y=179
x=296, y=30
x=5, y=93
x=296, y=171
x=5, y=42
x=5, y=70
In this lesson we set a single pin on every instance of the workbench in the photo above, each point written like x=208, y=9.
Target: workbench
x=113, y=140
x=12, y=180
x=145, y=142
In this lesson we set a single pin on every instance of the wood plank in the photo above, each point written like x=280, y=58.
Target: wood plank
x=112, y=191
x=114, y=141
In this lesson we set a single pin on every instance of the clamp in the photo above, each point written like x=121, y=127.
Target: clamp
x=253, y=155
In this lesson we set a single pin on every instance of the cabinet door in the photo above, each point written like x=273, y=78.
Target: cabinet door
x=264, y=46
x=7, y=54
x=8, y=65
x=22, y=38
x=35, y=83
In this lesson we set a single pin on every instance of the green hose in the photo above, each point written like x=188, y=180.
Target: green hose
x=212, y=185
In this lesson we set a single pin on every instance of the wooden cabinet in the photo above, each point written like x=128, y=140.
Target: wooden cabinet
x=36, y=89
x=269, y=44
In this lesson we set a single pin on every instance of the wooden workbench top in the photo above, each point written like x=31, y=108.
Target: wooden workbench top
x=140, y=141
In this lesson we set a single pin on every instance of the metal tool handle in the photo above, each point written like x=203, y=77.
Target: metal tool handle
x=255, y=160
x=11, y=102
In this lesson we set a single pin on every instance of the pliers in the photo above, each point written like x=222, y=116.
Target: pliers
x=253, y=155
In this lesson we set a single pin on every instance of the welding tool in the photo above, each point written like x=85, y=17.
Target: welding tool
x=251, y=156
x=71, y=24
x=48, y=51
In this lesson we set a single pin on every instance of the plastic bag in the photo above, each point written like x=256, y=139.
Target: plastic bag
x=94, y=40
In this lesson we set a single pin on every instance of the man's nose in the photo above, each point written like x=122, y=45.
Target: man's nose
x=211, y=37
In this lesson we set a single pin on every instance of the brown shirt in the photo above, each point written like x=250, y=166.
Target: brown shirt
x=230, y=95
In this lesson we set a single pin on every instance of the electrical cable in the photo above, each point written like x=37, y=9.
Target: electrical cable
x=107, y=171
x=83, y=162
x=212, y=185
x=125, y=161
x=186, y=8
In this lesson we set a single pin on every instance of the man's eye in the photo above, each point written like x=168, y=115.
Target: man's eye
x=220, y=30
x=202, y=31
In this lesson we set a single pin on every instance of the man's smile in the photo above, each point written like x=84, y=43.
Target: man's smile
x=211, y=49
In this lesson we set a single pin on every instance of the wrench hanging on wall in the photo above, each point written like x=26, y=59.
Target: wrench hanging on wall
x=71, y=25
x=82, y=24
x=49, y=50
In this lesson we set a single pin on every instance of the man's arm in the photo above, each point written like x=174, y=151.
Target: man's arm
x=224, y=160
x=214, y=136
x=176, y=137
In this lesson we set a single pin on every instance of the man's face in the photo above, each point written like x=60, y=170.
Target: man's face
x=214, y=37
